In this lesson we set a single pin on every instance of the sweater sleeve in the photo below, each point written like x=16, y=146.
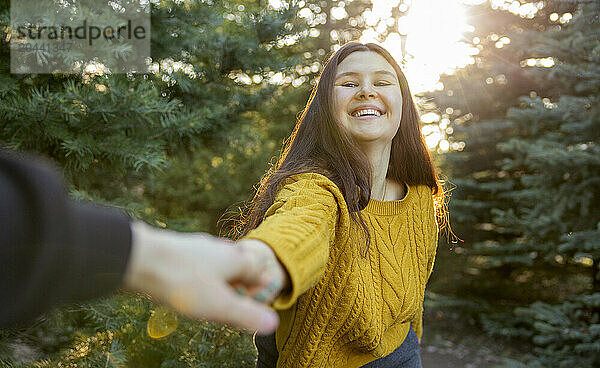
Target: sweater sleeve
x=431, y=239
x=52, y=249
x=299, y=227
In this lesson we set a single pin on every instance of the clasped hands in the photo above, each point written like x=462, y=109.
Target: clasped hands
x=206, y=277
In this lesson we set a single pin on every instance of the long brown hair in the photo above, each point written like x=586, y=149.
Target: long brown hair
x=319, y=144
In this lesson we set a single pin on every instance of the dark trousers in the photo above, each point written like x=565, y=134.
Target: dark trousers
x=267, y=351
x=407, y=355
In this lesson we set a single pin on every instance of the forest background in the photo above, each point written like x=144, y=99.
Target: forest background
x=516, y=137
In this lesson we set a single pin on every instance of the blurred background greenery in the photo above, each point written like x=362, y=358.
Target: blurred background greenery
x=509, y=95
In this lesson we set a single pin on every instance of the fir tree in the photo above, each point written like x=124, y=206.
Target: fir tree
x=175, y=147
x=559, y=154
x=526, y=178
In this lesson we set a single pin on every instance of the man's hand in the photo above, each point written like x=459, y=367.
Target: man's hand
x=193, y=273
x=272, y=270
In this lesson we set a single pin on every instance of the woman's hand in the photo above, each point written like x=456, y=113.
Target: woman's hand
x=275, y=276
x=193, y=273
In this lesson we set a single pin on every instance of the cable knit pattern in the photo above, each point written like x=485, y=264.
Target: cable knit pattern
x=345, y=310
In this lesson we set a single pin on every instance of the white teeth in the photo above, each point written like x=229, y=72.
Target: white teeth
x=366, y=112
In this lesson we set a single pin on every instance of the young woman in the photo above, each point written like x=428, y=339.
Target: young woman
x=347, y=222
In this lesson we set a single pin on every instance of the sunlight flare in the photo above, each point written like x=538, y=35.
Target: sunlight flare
x=430, y=38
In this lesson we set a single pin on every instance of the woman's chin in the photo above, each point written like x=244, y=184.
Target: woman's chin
x=370, y=136
x=368, y=130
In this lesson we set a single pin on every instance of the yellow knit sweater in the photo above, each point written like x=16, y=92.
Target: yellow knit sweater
x=345, y=310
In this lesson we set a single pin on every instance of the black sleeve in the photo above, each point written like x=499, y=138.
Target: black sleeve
x=52, y=249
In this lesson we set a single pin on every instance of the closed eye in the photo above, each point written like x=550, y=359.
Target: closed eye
x=383, y=83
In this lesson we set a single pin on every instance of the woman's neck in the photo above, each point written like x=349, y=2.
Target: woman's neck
x=379, y=157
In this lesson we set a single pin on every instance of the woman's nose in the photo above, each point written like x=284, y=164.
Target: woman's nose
x=367, y=91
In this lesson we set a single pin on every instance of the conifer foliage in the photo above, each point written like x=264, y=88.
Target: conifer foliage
x=559, y=152
x=175, y=147
x=527, y=179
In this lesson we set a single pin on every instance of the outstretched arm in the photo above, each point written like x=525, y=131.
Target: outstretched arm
x=298, y=228
x=54, y=250
x=193, y=273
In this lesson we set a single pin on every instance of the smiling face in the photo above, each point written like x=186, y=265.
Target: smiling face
x=366, y=97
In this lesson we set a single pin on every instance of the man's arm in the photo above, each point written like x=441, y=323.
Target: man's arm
x=53, y=250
